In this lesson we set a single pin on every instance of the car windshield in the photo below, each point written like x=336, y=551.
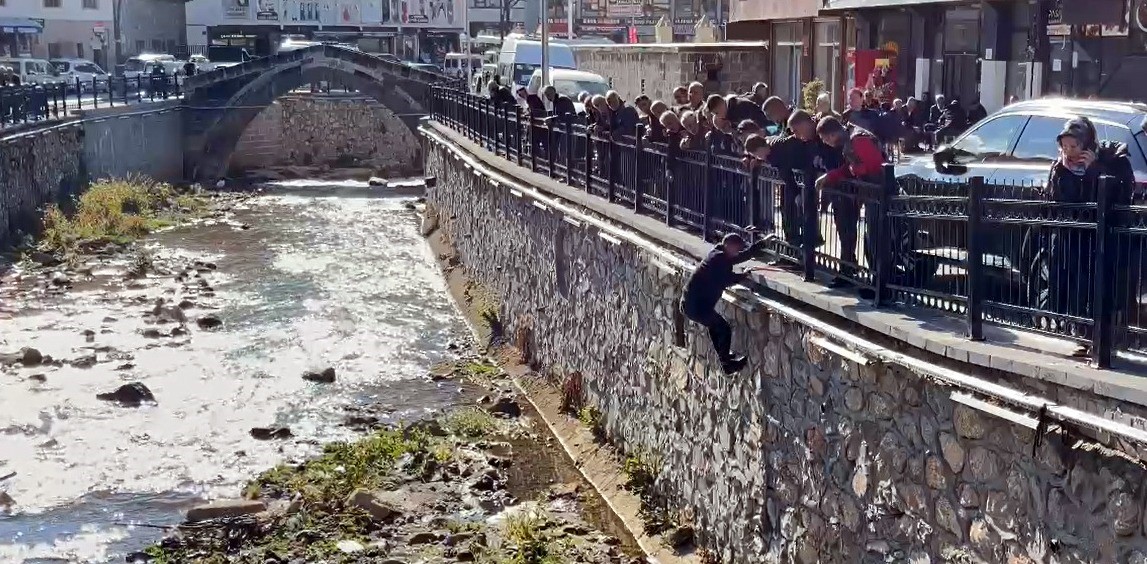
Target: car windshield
x=134, y=65
x=522, y=72
x=572, y=88
x=36, y=67
x=62, y=66
x=90, y=68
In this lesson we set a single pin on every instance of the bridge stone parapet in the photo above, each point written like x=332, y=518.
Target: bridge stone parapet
x=221, y=104
x=838, y=443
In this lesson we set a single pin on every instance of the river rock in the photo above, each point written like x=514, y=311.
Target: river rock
x=223, y=509
x=85, y=361
x=327, y=376
x=129, y=395
x=424, y=537
x=30, y=356
x=209, y=322
x=268, y=433
x=38, y=378
x=506, y=406
x=376, y=181
x=60, y=279
x=43, y=259
x=377, y=508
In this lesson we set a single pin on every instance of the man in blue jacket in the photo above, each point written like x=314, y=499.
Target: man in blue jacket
x=704, y=288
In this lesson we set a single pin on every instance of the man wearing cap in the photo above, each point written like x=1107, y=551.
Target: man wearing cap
x=704, y=288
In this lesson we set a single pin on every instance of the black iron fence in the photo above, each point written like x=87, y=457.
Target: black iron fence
x=1005, y=255
x=36, y=102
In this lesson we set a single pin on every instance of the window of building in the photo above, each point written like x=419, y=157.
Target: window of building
x=54, y=50
x=3, y=2
x=51, y=3
x=157, y=45
x=787, y=61
x=140, y=46
x=826, y=59
x=91, y=4
x=79, y=50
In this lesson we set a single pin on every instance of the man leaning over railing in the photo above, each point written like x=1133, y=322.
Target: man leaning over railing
x=863, y=160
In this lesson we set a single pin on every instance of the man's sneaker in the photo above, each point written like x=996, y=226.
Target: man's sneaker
x=734, y=365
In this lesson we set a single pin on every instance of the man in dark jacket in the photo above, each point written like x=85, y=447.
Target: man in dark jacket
x=936, y=112
x=704, y=289
x=976, y=112
x=623, y=118
x=1067, y=253
x=560, y=103
x=735, y=109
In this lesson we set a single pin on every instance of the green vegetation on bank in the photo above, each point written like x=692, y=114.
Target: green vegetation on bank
x=117, y=211
x=313, y=510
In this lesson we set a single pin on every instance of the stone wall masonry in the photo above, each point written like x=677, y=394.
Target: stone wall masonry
x=316, y=130
x=37, y=168
x=806, y=456
x=54, y=163
x=656, y=70
x=120, y=142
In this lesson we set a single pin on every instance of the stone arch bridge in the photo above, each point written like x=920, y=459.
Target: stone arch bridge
x=220, y=104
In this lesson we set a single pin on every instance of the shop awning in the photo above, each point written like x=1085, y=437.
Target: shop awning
x=20, y=25
x=858, y=4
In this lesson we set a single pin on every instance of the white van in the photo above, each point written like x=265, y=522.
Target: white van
x=571, y=83
x=521, y=57
x=455, y=64
x=33, y=71
x=138, y=65
x=89, y=74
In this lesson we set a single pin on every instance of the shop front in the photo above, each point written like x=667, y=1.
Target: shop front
x=17, y=35
x=1100, y=51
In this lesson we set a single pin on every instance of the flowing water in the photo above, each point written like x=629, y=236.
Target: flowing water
x=327, y=275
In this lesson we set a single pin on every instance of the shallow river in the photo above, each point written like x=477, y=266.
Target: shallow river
x=327, y=275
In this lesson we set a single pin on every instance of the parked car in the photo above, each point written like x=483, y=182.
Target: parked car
x=571, y=83
x=88, y=74
x=33, y=71
x=1012, y=149
x=138, y=65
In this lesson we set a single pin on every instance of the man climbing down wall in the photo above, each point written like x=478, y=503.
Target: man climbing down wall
x=704, y=289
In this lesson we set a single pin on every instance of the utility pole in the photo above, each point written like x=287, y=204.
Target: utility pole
x=569, y=18
x=545, y=42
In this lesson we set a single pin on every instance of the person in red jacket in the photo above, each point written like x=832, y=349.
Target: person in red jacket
x=862, y=160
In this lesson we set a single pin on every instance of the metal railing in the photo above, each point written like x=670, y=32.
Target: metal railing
x=1005, y=255
x=38, y=102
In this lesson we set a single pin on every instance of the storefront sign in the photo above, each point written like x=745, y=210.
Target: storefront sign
x=426, y=13
x=623, y=8
x=1093, y=12
x=236, y=9
x=268, y=10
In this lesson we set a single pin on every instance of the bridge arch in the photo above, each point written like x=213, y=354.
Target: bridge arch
x=221, y=104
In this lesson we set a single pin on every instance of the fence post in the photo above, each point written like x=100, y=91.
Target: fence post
x=884, y=239
x=550, y=146
x=671, y=149
x=611, y=169
x=975, y=266
x=810, y=232
x=568, y=118
x=1103, y=312
x=637, y=180
x=533, y=142
x=706, y=190
x=754, y=201
x=517, y=132
x=494, y=107
x=588, y=157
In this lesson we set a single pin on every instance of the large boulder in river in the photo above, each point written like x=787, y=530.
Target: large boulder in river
x=209, y=322
x=268, y=433
x=225, y=509
x=30, y=356
x=327, y=376
x=129, y=395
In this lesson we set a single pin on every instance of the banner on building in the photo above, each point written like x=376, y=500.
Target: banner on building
x=268, y=10
x=300, y=11
x=348, y=13
x=623, y=8
x=426, y=13
x=236, y=9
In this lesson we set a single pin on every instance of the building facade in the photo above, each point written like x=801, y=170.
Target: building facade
x=420, y=31
x=57, y=28
x=152, y=26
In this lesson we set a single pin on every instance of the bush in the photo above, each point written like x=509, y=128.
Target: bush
x=118, y=211
x=810, y=92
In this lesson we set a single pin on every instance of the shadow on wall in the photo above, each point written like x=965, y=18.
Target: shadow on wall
x=327, y=132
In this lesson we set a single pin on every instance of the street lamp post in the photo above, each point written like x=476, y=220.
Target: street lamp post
x=545, y=43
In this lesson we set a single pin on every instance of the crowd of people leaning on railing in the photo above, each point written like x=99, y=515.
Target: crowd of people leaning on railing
x=837, y=150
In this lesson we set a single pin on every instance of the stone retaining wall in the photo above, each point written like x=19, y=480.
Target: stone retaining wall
x=804, y=457
x=37, y=168
x=333, y=131
x=656, y=70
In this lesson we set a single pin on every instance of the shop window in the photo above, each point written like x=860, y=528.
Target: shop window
x=79, y=50
x=827, y=58
x=787, y=61
x=140, y=46
x=91, y=4
x=157, y=45
x=54, y=50
x=51, y=3
x=962, y=30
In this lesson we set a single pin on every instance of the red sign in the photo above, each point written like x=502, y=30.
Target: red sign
x=633, y=34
